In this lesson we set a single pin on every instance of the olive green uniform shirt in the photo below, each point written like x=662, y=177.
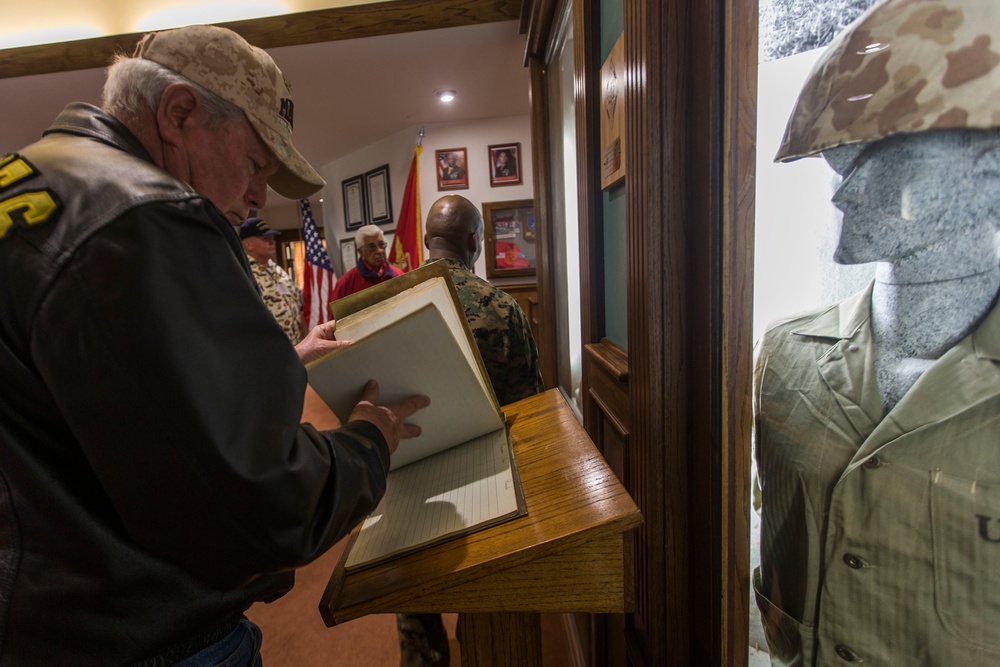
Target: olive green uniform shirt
x=880, y=535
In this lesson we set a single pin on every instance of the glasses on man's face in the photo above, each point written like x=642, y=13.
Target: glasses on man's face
x=376, y=246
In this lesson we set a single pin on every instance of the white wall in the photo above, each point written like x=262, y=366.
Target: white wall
x=397, y=151
x=796, y=225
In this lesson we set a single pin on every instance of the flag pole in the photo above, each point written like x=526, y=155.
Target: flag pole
x=420, y=138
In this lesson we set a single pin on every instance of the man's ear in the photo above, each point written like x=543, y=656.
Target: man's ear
x=472, y=243
x=177, y=105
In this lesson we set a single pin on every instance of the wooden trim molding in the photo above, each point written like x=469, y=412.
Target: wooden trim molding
x=733, y=480
x=538, y=20
x=611, y=358
x=586, y=41
x=540, y=154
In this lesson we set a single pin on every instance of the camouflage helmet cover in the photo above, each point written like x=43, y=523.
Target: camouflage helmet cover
x=224, y=63
x=902, y=66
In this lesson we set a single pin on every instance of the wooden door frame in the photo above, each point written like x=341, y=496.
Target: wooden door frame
x=690, y=133
x=690, y=137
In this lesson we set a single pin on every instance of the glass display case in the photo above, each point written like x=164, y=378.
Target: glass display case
x=877, y=381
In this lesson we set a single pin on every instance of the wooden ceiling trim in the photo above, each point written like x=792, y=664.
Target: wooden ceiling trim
x=322, y=25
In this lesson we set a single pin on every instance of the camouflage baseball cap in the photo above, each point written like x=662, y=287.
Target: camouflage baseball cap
x=902, y=66
x=224, y=63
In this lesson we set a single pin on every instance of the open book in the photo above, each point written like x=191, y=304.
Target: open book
x=459, y=475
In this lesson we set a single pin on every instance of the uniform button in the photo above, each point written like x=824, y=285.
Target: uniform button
x=845, y=653
x=852, y=347
x=853, y=561
x=872, y=463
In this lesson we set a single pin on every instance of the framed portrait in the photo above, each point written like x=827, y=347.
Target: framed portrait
x=354, y=202
x=452, y=169
x=379, y=196
x=505, y=164
x=348, y=255
x=510, y=238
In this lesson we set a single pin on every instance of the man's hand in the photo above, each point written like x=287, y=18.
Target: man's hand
x=389, y=418
x=319, y=341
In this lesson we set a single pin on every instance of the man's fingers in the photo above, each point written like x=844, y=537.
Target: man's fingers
x=408, y=406
x=409, y=431
x=370, y=392
x=329, y=328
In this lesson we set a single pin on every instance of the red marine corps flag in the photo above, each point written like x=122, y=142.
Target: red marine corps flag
x=319, y=274
x=408, y=242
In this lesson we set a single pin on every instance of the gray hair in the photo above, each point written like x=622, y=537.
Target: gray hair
x=366, y=232
x=134, y=86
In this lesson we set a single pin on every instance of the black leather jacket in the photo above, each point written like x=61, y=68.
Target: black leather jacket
x=154, y=478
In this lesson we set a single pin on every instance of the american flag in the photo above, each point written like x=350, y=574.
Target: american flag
x=319, y=274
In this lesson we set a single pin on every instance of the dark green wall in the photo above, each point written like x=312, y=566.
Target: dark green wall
x=615, y=249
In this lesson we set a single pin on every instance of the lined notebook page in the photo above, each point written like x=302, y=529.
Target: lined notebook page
x=442, y=496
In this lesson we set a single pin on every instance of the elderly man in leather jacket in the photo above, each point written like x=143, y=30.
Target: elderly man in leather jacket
x=155, y=479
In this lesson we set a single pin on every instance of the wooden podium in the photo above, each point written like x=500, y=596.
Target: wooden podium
x=570, y=553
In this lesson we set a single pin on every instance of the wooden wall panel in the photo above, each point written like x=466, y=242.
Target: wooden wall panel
x=655, y=188
x=526, y=296
x=605, y=390
x=605, y=403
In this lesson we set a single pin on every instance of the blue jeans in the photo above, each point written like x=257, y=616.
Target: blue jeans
x=240, y=648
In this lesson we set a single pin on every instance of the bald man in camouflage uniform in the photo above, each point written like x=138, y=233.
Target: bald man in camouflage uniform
x=500, y=328
x=455, y=236
x=877, y=418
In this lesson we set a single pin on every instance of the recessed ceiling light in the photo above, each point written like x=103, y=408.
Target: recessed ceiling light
x=445, y=94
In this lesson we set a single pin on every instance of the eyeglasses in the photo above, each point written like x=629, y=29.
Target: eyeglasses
x=381, y=245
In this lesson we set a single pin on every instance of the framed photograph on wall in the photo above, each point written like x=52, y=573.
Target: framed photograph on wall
x=379, y=196
x=452, y=169
x=510, y=238
x=354, y=202
x=505, y=164
x=348, y=256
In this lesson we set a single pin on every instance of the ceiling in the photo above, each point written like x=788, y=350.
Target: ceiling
x=348, y=93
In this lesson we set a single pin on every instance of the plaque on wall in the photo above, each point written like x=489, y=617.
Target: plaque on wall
x=613, y=116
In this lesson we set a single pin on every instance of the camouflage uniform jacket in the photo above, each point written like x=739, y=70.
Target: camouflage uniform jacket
x=282, y=297
x=502, y=335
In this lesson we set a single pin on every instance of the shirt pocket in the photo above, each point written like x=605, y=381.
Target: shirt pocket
x=965, y=522
x=788, y=640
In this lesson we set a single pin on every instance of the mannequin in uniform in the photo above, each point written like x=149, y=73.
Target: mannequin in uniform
x=877, y=419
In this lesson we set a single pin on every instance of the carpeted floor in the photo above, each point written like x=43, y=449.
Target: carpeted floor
x=295, y=635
